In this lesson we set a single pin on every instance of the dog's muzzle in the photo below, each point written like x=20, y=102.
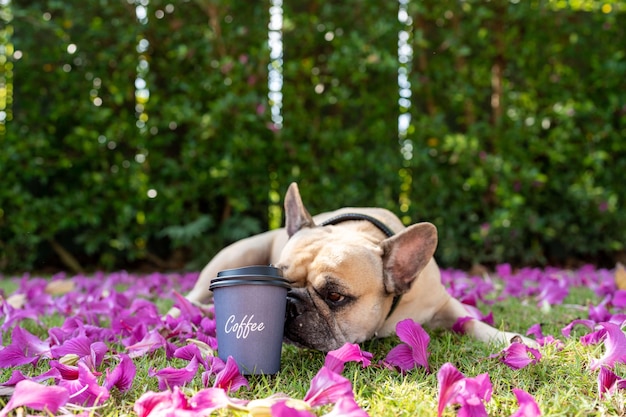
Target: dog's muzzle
x=295, y=306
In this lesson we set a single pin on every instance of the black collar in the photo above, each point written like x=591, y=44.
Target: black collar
x=382, y=226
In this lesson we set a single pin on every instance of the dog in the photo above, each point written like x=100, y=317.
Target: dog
x=355, y=273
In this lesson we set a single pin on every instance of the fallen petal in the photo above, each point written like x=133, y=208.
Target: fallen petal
x=327, y=387
x=447, y=378
x=123, y=375
x=163, y=403
x=400, y=356
x=36, y=396
x=414, y=335
x=346, y=407
x=287, y=408
x=527, y=405
x=208, y=400
x=336, y=359
x=85, y=390
x=230, y=378
x=173, y=377
x=614, y=344
x=515, y=356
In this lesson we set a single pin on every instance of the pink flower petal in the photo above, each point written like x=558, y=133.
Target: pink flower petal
x=619, y=299
x=17, y=376
x=470, y=393
x=230, y=378
x=515, y=356
x=66, y=371
x=36, y=396
x=25, y=348
x=412, y=333
x=172, y=377
x=614, y=344
x=163, y=403
x=123, y=375
x=208, y=400
x=447, y=378
x=85, y=390
x=327, y=387
x=414, y=351
x=77, y=346
x=14, y=355
x=346, y=407
x=151, y=342
x=336, y=359
x=607, y=381
x=401, y=356
x=189, y=352
x=535, y=330
x=458, y=326
x=527, y=405
x=282, y=409
x=587, y=323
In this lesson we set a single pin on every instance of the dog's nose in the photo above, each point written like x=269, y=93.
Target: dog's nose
x=294, y=306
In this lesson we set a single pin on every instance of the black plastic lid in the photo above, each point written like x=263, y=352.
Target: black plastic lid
x=258, y=271
x=221, y=283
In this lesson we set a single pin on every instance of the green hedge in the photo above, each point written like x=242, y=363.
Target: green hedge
x=515, y=150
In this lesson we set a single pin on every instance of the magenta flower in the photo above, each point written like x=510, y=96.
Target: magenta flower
x=150, y=342
x=191, y=351
x=17, y=376
x=282, y=409
x=535, y=330
x=414, y=349
x=619, y=299
x=599, y=313
x=614, y=344
x=85, y=390
x=346, y=407
x=608, y=382
x=527, y=405
x=25, y=348
x=336, y=359
x=172, y=377
x=553, y=291
x=470, y=393
x=36, y=396
x=516, y=355
x=122, y=376
x=229, y=378
x=566, y=331
x=327, y=387
x=161, y=403
x=208, y=400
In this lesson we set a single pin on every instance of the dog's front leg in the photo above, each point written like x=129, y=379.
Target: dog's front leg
x=453, y=310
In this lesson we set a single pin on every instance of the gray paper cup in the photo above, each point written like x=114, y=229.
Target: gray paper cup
x=250, y=307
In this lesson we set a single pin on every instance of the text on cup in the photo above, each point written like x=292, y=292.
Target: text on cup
x=242, y=328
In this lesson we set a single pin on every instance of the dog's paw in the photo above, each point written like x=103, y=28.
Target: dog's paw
x=524, y=340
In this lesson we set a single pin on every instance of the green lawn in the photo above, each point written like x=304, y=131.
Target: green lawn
x=561, y=382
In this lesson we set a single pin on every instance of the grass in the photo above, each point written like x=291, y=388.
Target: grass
x=561, y=383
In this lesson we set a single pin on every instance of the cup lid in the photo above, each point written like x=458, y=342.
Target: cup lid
x=256, y=271
x=229, y=282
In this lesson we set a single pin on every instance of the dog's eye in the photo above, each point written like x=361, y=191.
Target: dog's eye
x=335, y=297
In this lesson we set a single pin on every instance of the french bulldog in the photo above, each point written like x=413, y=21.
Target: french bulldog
x=355, y=273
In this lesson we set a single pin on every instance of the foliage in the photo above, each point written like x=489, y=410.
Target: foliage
x=124, y=126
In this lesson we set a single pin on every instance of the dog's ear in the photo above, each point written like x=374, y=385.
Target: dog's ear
x=296, y=215
x=406, y=254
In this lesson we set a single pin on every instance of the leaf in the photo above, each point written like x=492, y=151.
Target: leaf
x=620, y=276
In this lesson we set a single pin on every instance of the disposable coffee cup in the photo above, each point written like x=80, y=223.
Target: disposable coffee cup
x=250, y=307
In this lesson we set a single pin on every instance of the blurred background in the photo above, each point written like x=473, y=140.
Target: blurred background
x=147, y=134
